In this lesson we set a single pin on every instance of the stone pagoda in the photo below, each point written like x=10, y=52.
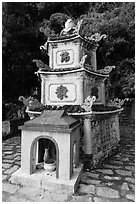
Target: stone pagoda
x=72, y=73
x=72, y=101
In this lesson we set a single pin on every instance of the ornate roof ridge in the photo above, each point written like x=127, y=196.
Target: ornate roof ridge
x=69, y=37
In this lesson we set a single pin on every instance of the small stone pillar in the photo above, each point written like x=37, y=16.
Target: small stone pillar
x=88, y=136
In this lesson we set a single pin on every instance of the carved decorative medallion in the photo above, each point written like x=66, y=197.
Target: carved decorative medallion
x=65, y=56
x=61, y=92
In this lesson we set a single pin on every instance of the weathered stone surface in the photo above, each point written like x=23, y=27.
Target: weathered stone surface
x=9, y=157
x=125, y=186
x=7, y=148
x=107, y=192
x=130, y=168
x=91, y=181
x=18, y=147
x=123, y=172
x=25, y=190
x=111, y=166
x=118, y=156
x=97, y=199
x=132, y=186
x=7, y=161
x=18, y=163
x=39, y=195
x=94, y=182
x=12, y=169
x=16, y=198
x=88, y=180
x=130, y=196
x=109, y=183
x=125, y=159
x=106, y=171
x=92, y=175
x=112, y=178
x=5, y=166
x=4, y=177
x=116, y=162
x=81, y=199
x=90, y=189
x=17, y=158
x=5, y=196
x=10, y=188
x=19, y=151
x=132, y=180
x=8, y=152
x=51, y=197
x=17, y=154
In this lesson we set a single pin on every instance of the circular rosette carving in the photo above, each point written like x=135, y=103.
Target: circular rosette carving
x=61, y=92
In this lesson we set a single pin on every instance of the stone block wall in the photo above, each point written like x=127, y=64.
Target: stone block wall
x=11, y=126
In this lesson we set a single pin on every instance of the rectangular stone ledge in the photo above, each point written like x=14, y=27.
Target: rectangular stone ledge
x=47, y=182
x=50, y=128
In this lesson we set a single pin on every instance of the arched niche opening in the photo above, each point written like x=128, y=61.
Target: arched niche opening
x=37, y=151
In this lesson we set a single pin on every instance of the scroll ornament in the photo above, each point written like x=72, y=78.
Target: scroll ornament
x=87, y=105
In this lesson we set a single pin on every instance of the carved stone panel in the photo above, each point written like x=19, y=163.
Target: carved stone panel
x=64, y=57
x=61, y=92
x=65, y=92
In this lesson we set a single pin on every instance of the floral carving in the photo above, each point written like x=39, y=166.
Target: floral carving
x=61, y=92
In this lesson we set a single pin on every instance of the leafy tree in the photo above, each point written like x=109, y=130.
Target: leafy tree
x=21, y=40
x=54, y=25
x=72, y=9
x=117, y=21
x=20, y=31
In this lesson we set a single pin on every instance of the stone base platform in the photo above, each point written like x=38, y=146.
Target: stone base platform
x=48, y=181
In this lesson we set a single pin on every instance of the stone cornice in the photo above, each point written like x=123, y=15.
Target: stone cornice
x=72, y=71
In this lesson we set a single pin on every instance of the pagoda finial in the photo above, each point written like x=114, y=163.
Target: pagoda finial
x=71, y=28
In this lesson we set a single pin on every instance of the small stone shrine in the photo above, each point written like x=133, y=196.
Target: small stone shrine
x=59, y=133
x=72, y=90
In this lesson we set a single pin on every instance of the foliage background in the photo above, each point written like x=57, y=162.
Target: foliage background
x=21, y=39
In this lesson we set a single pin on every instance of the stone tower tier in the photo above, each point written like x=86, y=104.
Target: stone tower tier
x=71, y=52
x=71, y=87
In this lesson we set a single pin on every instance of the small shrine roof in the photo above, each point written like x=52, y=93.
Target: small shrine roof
x=52, y=119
